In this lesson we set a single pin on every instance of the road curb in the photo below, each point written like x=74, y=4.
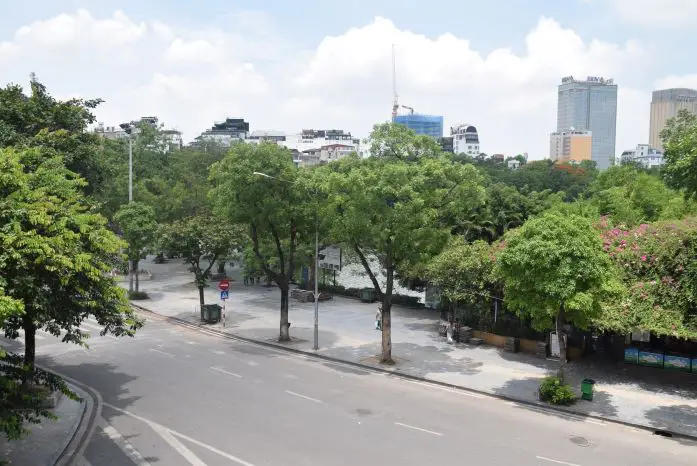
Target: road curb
x=76, y=443
x=395, y=373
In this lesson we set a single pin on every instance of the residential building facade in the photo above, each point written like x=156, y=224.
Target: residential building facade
x=465, y=140
x=571, y=146
x=644, y=155
x=315, y=139
x=428, y=125
x=665, y=104
x=266, y=136
x=590, y=106
x=224, y=133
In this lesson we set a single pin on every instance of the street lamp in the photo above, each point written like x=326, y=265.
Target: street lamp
x=129, y=129
x=316, y=293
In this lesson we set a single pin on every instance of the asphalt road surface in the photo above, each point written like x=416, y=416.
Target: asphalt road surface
x=174, y=396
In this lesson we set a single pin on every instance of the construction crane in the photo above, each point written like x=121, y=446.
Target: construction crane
x=411, y=110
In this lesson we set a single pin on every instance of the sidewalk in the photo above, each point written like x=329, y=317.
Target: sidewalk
x=649, y=397
x=48, y=440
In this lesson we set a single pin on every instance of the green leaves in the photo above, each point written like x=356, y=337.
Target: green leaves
x=680, y=143
x=556, y=260
x=137, y=222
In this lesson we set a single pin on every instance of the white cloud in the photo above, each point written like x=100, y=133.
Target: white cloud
x=689, y=81
x=657, y=12
x=189, y=78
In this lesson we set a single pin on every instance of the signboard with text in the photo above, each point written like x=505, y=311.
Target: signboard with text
x=330, y=258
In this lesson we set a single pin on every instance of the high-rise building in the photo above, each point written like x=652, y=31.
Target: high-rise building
x=570, y=146
x=665, y=104
x=590, y=105
x=428, y=125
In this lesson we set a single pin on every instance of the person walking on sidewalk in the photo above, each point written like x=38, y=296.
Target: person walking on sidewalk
x=378, y=319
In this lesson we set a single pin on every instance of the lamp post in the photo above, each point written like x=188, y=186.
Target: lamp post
x=128, y=128
x=316, y=292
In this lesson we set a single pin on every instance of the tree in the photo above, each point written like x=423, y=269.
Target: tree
x=39, y=120
x=397, y=211
x=60, y=253
x=200, y=241
x=680, y=143
x=274, y=208
x=555, y=271
x=137, y=222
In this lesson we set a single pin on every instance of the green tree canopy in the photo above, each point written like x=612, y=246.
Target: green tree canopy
x=278, y=213
x=680, y=143
x=138, y=226
x=201, y=241
x=396, y=211
x=555, y=271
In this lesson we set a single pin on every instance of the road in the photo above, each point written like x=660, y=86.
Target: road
x=174, y=396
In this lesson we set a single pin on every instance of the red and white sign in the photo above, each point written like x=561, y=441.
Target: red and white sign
x=224, y=285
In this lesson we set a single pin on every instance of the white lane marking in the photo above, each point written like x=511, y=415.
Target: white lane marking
x=189, y=342
x=303, y=396
x=154, y=425
x=543, y=458
x=178, y=446
x=217, y=351
x=291, y=376
x=96, y=327
x=122, y=443
x=419, y=429
x=161, y=352
x=252, y=363
x=223, y=371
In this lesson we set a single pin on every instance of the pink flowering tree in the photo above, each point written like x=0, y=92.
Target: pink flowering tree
x=656, y=264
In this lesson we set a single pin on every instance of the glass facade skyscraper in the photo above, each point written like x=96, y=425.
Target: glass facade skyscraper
x=590, y=105
x=429, y=125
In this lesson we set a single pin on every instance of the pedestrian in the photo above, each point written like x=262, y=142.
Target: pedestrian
x=246, y=280
x=378, y=319
x=258, y=279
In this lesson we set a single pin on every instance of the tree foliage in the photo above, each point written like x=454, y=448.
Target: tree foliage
x=680, y=143
x=397, y=209
x=200, y=242
x=138, y=227
x=555, y=271
x=278, y=213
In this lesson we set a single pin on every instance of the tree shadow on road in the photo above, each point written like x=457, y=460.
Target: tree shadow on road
x=681, y=419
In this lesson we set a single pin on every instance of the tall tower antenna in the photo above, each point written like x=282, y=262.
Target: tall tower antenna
x=395, y=102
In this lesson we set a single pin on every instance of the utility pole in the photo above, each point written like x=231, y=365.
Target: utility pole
x=130, y=168
x=316, y=345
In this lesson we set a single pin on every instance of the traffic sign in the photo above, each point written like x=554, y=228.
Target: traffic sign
x=224, y=294
x=224, y=285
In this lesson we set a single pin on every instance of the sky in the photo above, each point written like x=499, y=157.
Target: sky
x=320, y=64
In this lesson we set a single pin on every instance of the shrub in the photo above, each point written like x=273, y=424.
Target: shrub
x=137, y=295
x=556, y=392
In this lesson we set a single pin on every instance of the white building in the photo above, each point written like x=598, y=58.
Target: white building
x=258, y=136
x=171, y=138
x=325, y=154
x=465, y=140
x=644, y=155
x=224, y=133
x=314, y=139
x=514, y=164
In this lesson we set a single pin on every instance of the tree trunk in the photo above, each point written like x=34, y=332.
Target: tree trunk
x=284, y=334
x=386, y=357
x=562, y=341
x=29, y=343
x=200, y=296
x=135, y=266
x=130, y=276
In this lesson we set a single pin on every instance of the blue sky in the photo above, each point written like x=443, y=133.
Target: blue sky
x=280, y=54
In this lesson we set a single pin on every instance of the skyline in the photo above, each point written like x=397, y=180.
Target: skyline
x=217, y=62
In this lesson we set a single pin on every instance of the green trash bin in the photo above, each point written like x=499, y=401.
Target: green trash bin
x=368, y=295
x=587, y=389
x=210, y=313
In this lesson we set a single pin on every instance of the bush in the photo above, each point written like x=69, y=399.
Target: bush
x=137, y=295
x=554, y=391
